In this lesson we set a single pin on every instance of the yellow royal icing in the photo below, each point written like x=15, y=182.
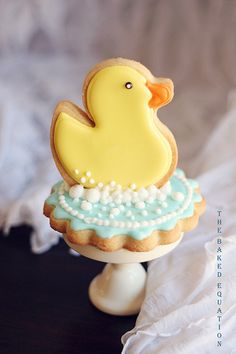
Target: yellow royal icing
x=125, y=145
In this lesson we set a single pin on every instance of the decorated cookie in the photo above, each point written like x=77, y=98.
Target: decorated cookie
x=119, y=137
x=120, y=184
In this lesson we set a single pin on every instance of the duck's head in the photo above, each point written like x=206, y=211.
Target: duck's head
x=125, y=84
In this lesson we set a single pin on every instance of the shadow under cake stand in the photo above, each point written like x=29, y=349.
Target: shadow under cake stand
x=120, y=288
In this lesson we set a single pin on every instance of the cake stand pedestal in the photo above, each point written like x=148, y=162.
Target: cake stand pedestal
x=120, y=288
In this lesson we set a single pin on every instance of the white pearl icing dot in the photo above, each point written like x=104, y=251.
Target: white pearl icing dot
x=126, y=197
x=76, y=191
x=118, y=201
x=115, y=211
x=143, y=194
x=86, y=205
x=161, y=197
x=152, y=190
x=140, y=205
x=92, y=195
x=88, y=174
x=128, y=213
x=113, y=183
x=91, y=181
x=83, y=179
x=178, y=196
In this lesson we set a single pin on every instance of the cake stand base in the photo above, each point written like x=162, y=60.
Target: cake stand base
x=120, y=288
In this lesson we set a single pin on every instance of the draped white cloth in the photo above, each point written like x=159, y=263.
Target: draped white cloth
x=179, y=314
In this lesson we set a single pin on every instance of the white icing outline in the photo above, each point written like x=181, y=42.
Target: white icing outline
x=128, y=224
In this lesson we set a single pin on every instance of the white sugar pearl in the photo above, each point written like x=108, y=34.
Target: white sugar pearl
x=118, y=201
x=178, y=196
x=152, y=190
x=100, y=184
x=161, y=197
x=140, y=205
x=76, y=191
x=104, y=194
x=133, y=186
x=91, y=181
x=143, y=194
x=92, y=195
x=83, y=179
x=115, y=195
x=86, y=205
x=104, y=201
x=150, y=200
x=88, y=174
x=74, y=212
x=112, y=183
x=126, y=197
x=128, y=213
x=88, y=220
x=115, y=211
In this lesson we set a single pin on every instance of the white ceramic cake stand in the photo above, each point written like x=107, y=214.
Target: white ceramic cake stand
x=120, y=288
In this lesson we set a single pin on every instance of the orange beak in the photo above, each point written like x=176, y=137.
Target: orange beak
x=162, y=93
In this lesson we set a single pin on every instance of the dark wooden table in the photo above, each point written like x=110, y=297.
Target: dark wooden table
x=44, y=306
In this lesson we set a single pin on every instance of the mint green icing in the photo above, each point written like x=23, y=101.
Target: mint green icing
x=137, y=233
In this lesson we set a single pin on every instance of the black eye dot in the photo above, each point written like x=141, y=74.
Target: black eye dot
x=128, y=85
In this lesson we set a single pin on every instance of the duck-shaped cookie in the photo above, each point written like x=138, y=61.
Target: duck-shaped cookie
x=119, y=139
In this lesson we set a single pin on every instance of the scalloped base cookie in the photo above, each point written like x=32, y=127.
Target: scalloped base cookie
x=159, y=216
